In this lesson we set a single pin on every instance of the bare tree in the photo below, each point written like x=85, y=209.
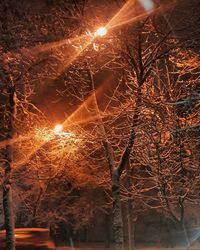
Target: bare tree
x=138, y=58
x=8, y=90
x=170, y=140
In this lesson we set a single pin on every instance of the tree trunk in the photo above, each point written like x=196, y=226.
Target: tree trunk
x=131, y=242
x=187, y=239
x=8, y=158
x=7, y=203
x=8, y=129
x=117, y=212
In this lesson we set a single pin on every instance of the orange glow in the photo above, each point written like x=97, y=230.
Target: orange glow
x=58, y=129
x=45, y=135
x=81, y=115
x=73, y=48
x=102, y=31
x=127, y=14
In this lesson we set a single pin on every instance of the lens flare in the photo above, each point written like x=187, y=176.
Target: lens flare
x=148, y=5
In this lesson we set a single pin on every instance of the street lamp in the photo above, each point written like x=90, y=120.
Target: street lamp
x=102, y=31
x=58, y=129
x=47, y=135
x=56, y=139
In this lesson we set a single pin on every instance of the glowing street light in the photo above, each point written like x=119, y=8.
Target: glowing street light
x=58, y=129
x=56, y=138
x=102, y=31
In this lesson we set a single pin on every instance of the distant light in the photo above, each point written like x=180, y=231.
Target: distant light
x=102, y=31
x=58, y=129
x=148, y=5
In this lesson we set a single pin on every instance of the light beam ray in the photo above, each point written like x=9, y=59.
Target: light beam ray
x=122, y=17
x=4, y=143
x=51, y=45
x=68, y=121
x=31, y=154
x=73, y=47
x=128, y=15
x=124, y=12
x=88, y=108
